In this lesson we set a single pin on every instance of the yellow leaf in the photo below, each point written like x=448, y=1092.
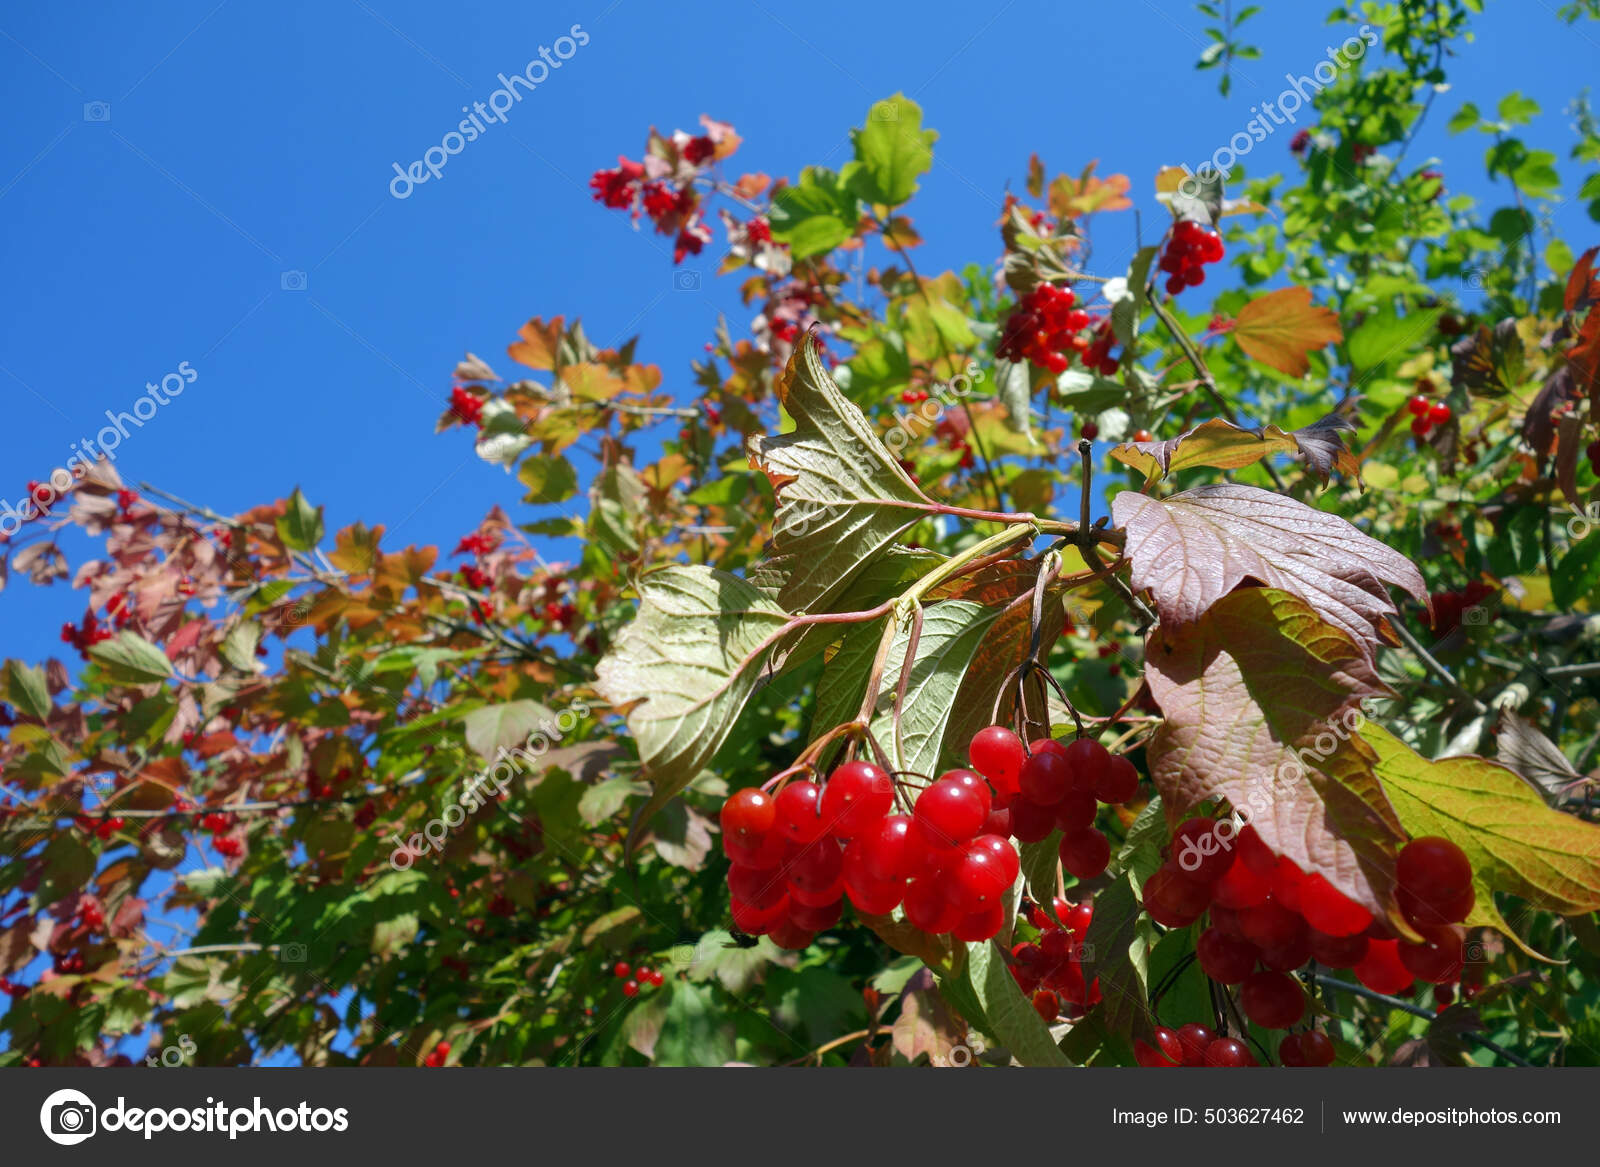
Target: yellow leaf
x=537, y=348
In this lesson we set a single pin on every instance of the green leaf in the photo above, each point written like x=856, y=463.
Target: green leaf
x=68, y=864
x=893, y=150
x=1386, y=337
x=1039, y=862
x=1007, y=1016
x=239, y=646
x=508, y=725
x=617, y=505
x=816, y=214
x=1577, y=576
x=694, y=1031
x=549, y=478
x=842, y=496
x=1515, y=109
x=687, y=665
x=27, y=689
x=300, y=526
x=1087, y=393
x=613, y=927
x=131, y=659
x=1465, y=118
x=1117, y=950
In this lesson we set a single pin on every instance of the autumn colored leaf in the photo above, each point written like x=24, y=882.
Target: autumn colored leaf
x=1282, y=327
x=1517, y=844
x=1260, y=696
x=538, y=346
x=1226, y=446
x=1071, y=198
x=1193, y=548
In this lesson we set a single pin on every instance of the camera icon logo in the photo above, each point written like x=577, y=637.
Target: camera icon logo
x=68, y=1117
x=685, y=955
x=293, y=281
x=685, y=281
x=292, y=954
x=886, y=111
x=1472, y=952
x=97, y=111
x=1476, y=615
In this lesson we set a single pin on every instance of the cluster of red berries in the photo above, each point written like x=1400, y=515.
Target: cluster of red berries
x=466, y=405
x=1426, y=414
x=798, y=855
x=11, y=988
x=1197, y=1045
x=103, y=829
x=1189, y=248
x=673, y=208
x=1043, y=328
x=1050, y=971
x=1267, y=917
x=84, y=636
x=1449, y=608
x=90, y=915
x=633, y=978
x=437, y=1055
x=1097, y=352
x=477, y=544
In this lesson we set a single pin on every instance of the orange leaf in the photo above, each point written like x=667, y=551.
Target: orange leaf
x=1280, y=328
x=537, y=348
x=1087, y=194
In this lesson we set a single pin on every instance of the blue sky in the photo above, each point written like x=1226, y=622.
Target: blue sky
x=241, y=141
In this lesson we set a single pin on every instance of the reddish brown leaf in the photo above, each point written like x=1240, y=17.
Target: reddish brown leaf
x=1282, y=327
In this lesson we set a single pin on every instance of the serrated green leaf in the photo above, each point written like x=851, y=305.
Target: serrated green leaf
x=1006, y=1015
x=27, y=689
x=131, y=659
x=550, y=478
x=893, y=150
x=300, y=526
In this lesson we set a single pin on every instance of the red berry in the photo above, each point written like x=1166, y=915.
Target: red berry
x=816, y=874
x=786, y=934
x=1273, y=1000
x=1229, y=1053
x=1241, y=886
x=928, y=908
x=885, y=853
x=1271, y=925
x=799, y=812
x=1337, y=951
x=1289, y=1051
x=1435, y=880
x=1438, y=961
x=1085, y=853
x=856, y=796
x=1090, y=430
x=748, y=837
x=1030, y=822
x=998, y=755
x=755, y=920
x=1075, y=812
x=1142, y=436
x=981, y=878
x=1439, y=413
x=630, y=989
x=1165, y=1054
x=949, y=812
x=1195, y=1039
x=1046, y=777
x=1089, y=761
x=810, y=919
x=1047, y=1005
x=1381, y=970
x=873, y=897
x=760, y=888
x=1201, y=853
x=1418, y=406
x=1420, y=426
x=1316, y=1048
x=1118, y=782
x=1172, y=899
x=1077, y=918
x=1225, y=958
x=982, y=925
x=1329, y=910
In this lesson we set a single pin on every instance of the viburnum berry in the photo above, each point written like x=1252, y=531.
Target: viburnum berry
x=749, y=818
x=1089, y=430
x=1047, y=1005
x=1142, y=436
x=1229, y=1053
x=1421, y=426
x=950, y=812
x=1089, y=761
x=1200, y=852
x=1438, y=413
x=998, y=754
x=1046, y=776
x=1165, y=1054
x=813, y=919
x=1241, y=887
x=816, y=875
x=1418, y=406
x=1075, y=812
x=786, y=934
x=1435, y=881
x=1273, y=1000
x=1042, y=328
x=884, y=848
x=856, y=796
x=1438, y=961
x=1172, y=899
x=1329, y=910
x=1271, y=925
x=621, y=970
x=1381, y=970
x=1195, y=1039
x=1337, y=951
x=1118, y=782
x=1225, y=958
x=927, y=907
x=980, y=925
x=872, y=897
x=757, y=921
x=760, y=888
x=1190, y=246
x=798, y=812
x=1076, y=918
x=1085, y=853
x=1316, y=1048
x=1030, y=822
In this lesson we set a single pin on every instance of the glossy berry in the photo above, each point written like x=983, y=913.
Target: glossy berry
x=1225, y=958
x=1172, y=899
x=1337, y=951
x=1201, y=853
x=1273, y=1000
x=1316, y=1048
x=811, y=919
x=1046, y=777
x=856, y=796
x=760, y=888
x=630, y=989
x=1047, y=1005
x=1075, y=812
x=799, y=812
x=1241, y=887
x=998, y=754
x=981, y=925
x=928, y=908
x=949, y=812
x=885, y=852
x=1418, y=406
x=757, y=921
x=1085, y=853
x=1420, y=426
x=1195, y=1039
x=1271, y=925
x=748, y=835
x=1118, y=782
x=1380, y=968
x=980, y=878
x=1090, y=430
x=1165, y=1054
x=1435, y=881
x=816, y=875
x=787, y=934
x=1089, y=761
x=1439, y=413
x=1438, y=961
x=1329, y=910
x=621, y=970
x=1229, y=1053
x=1030, y=822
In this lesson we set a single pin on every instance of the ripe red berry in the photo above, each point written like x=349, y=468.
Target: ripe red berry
x=1439, y=413
x=1241, y=886
x=1273, y=1000
x=1075, y=812
x=982, y=876
x=949, y=812
x=998, y=755
x=1202, y=853
x=1435, y=881
x=1142, y=436
x=1420, y=426
x=857, y=795
x=748, y=837
x=816, y=874
x=757, y=921
x=1195, y=1039
x=1225, y=958
x=1046, y=777
x=885, y=852
x=799, y=812
x=1329, y=910
x=1316, y=1048
x=1418, y=406
x=1085, y=853
x=1047, y=1005
x=928, y=908
x=1337, y=951
x=1089, y=762
x=1118, y=782
x=1172, y=899
x=630, y=989
x=758, y=887
x=982, y=925
x=1271, y=925
x=1229, y=1053
x=1289, y=1051
x=1438, y=961
x=786, y=934
x=1167, y=1053
x=811, y=919
x=1030, y=822
x=1090, y=430
x=1380, y=968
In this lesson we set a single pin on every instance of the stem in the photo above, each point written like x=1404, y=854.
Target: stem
x=1434, y=667
x=1416, y=1011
